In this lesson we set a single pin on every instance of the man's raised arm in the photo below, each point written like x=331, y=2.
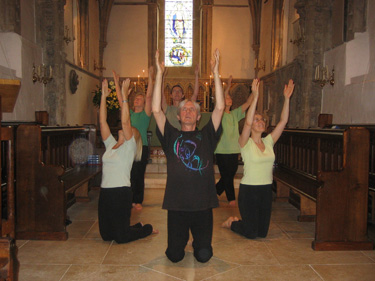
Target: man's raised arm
x=156, y=97
x=217, y=114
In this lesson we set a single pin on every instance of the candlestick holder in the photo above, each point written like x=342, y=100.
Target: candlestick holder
x=323, y=76
x=42, y=74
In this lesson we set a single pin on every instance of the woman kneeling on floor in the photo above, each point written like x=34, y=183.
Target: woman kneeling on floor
x=115, y=199
x=255, y=194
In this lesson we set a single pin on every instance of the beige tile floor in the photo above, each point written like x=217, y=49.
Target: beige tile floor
x=285, y=254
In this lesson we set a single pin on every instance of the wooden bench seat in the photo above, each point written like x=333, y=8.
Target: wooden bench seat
x=76, y=183
x=328, y=169
x=306, y=187
x=48, y=182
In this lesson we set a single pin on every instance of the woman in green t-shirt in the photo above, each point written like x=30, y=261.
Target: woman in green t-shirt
x=228, y=149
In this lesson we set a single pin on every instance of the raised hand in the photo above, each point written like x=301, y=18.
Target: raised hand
x=125, y=91
x=159, y=66
x=288, y=89
x=255, y=87
x=116, y=79
x=215, y=62
x=230, y=80
x=105, y=91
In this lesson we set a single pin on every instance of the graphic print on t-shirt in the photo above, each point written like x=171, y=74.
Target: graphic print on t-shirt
x=185, y=150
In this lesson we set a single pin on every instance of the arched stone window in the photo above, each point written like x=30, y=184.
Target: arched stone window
x=176, y=39
x=178, y=33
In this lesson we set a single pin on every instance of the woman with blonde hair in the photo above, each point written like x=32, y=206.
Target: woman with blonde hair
x=140, y=117
x=115, y=199
x=255, y=194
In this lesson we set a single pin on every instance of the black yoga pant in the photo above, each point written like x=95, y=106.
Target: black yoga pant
x=114, y=216
x=200, y=225
x=228, y=164
x=137, y=176
x=254, y=203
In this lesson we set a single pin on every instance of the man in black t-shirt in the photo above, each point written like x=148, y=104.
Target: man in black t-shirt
x=190, y=193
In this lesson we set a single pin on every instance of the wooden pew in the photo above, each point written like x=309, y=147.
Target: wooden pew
x=47, y=180
x=328, y=170
x=371, y=174
x=8, y=249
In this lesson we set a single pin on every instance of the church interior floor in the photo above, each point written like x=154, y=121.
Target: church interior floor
x=285, y=254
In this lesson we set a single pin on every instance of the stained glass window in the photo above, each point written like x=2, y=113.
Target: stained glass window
x=178, y=33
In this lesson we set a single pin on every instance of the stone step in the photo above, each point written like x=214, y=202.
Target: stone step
x=158, y=180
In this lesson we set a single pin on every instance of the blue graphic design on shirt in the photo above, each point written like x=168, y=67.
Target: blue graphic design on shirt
x=185, y=151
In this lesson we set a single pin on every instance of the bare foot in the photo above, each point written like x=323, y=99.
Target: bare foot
x=138, y=206
x=232, y=203
x=155, y=231
x=228, y=222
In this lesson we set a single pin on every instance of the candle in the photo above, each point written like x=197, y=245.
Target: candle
x=50, y=71
x=206, y=86
x=143, y=73
x=138, y=79
x=205, y=100
x=210, y=79
x=223, y=85
x=135, y=86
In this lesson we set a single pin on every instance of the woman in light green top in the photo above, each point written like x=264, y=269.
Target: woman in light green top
x=228, y=148
x=255, y=195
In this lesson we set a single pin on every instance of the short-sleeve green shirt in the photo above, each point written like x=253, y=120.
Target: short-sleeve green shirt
x=228, y=143
x=140, y=120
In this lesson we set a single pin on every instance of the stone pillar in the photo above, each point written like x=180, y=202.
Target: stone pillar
x=10, y=15
x=50, y=33
x=206, y=31
x=152, y=31
x=315, y=20
x=104, y=13
x=256, y=14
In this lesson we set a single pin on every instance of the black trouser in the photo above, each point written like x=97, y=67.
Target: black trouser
x=228, y=164
x=200, y=224
x=137, y=176
x=254, y=203
x=114, y=216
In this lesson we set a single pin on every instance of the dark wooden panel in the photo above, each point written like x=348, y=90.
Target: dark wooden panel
x=329, y=171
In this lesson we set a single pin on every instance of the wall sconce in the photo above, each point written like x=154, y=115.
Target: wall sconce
x=41, y=74
x=323, y=76
x=67, y=38
x=259, y=65
x=98, y=67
